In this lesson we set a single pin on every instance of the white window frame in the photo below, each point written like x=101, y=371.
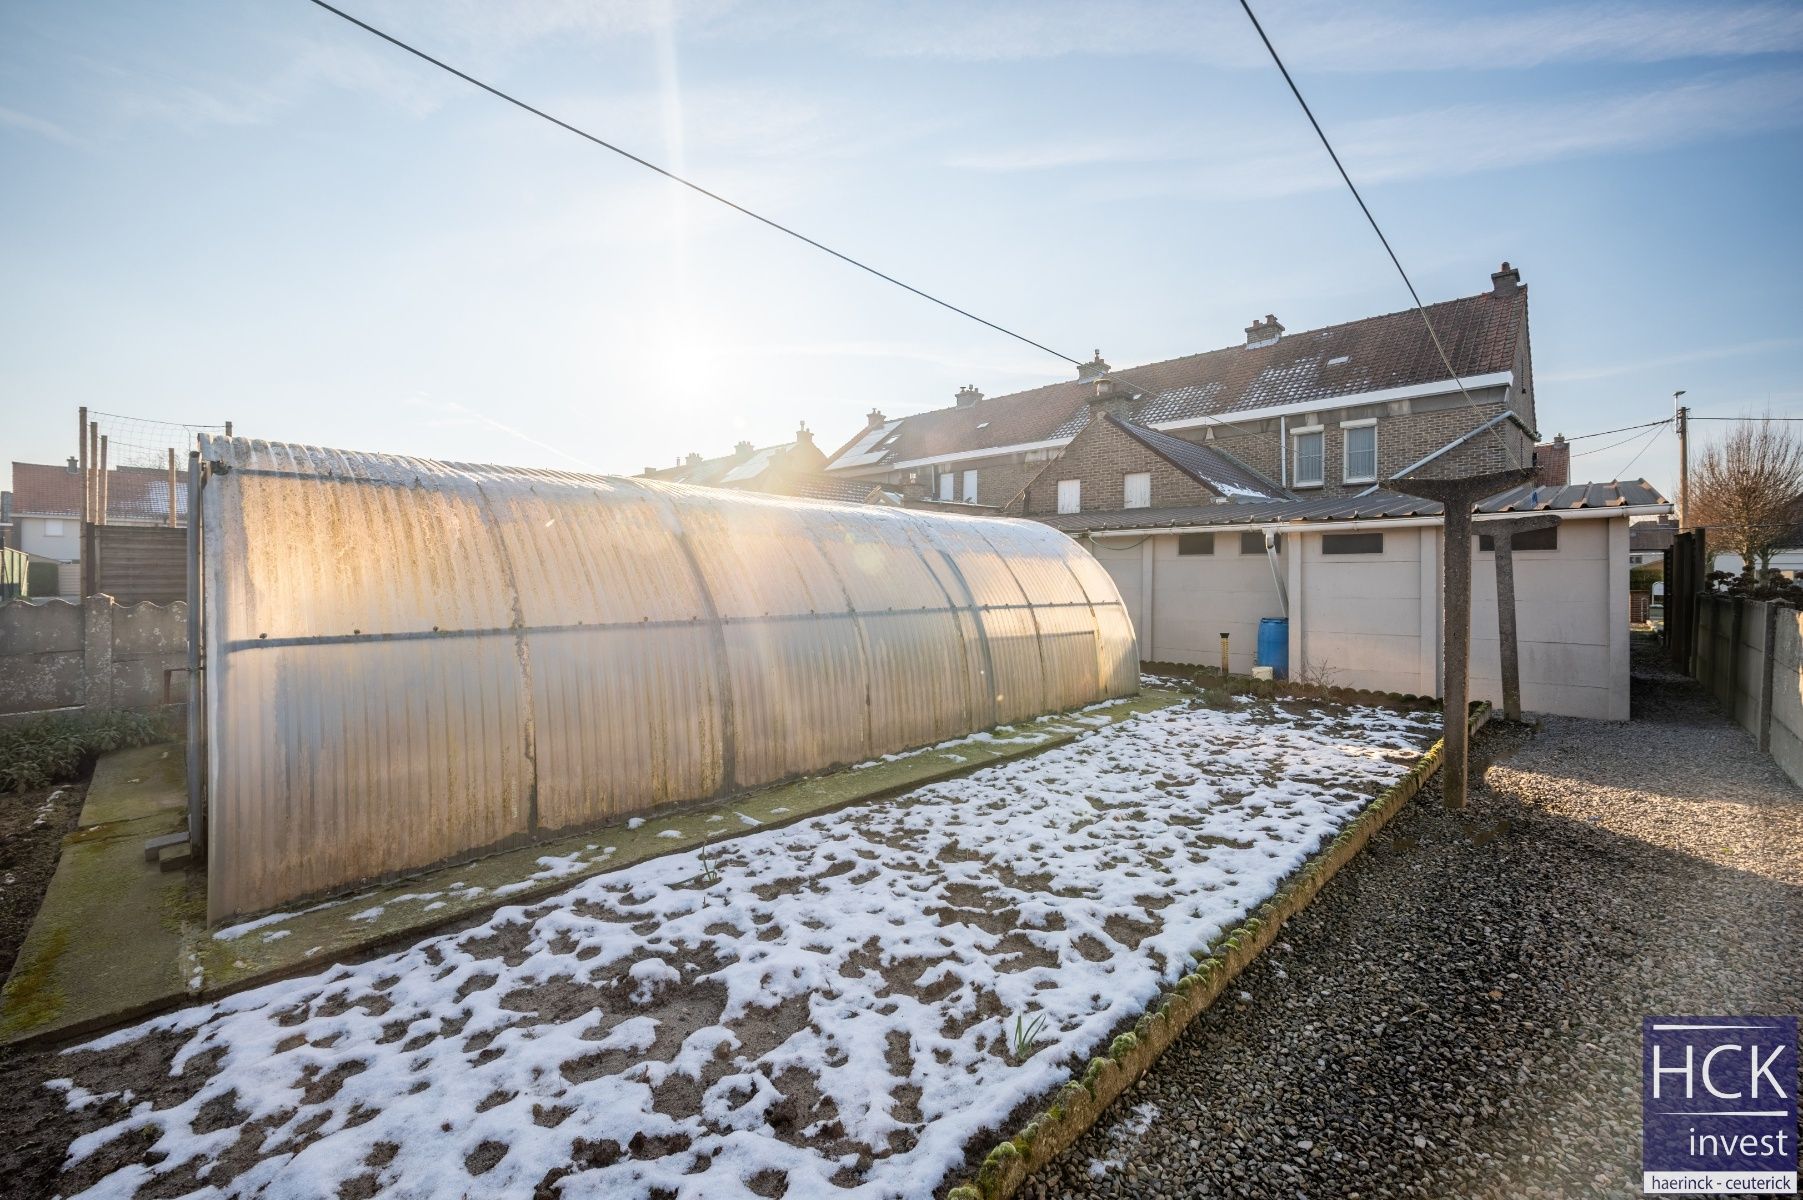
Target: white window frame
x=1296, y=436
x=970, y=487
x=948, y=482
x=1070, y=495
x=1136, y=489
x=53, y=527
x=1346, y=427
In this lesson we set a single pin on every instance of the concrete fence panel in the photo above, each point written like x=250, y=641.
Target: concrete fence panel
x=95, y=654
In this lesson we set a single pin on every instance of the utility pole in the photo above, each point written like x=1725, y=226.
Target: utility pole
x=1679, y=423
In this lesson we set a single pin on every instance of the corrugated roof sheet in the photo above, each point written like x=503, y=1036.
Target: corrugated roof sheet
x=1379, y=505
x=1215, y=469
x=1374, y=354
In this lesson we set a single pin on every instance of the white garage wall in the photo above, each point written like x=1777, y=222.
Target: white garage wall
x=1360, y=621
x=1373, y=621
x=1570, y=628
x=1198, y=597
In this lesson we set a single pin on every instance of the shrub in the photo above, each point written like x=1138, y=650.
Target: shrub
x=40, y=751
x=1747, y=586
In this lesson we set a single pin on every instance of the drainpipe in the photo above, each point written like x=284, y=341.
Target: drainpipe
x=1283, y=593
x=1283, y=451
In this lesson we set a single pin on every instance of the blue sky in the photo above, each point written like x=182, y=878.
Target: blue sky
x=251, y=210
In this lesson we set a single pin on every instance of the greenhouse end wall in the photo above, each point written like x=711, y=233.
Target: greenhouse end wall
x=413, y=662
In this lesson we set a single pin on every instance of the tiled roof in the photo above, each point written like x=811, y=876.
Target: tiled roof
x=1378, y=505
x=846, y=491
x=1217, y=470
x=1654, y=536
x=43, y=490
x=1369, y=355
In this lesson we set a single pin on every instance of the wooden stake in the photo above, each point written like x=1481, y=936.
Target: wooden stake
x=81, y=442
x=103, y=480
x=172, y=521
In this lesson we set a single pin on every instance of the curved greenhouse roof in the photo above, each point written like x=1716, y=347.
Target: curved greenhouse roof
x=411, y=662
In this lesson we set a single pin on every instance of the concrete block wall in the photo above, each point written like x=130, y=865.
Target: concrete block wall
x=94, y=654
x=1749, y=657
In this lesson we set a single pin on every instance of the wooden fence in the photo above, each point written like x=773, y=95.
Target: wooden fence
x=134, y=563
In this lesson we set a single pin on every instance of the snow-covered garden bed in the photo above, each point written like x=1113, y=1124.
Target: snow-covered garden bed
x=838, y=1007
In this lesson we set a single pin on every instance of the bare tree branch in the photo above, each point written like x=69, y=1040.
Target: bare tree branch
x=1747, y=489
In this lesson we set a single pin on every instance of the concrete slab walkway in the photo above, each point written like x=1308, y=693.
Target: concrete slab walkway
x=118, y=938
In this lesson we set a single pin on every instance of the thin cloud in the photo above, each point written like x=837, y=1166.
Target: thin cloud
x=1457, y=140
x=1635, y=367
x=1315, y=36
x=14, y=119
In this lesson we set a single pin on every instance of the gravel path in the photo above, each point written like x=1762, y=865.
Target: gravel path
x=1459, y=1013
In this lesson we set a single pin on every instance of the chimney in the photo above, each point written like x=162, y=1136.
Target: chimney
x=742, y=451
x=1552, y=462
x=648, y=472
x=1506, y=282
x=1095, y=368
x=874, y=418
x=804, y=436
x=968, y=395
x=693, y=460
x=73, y=465
x=1263, y=333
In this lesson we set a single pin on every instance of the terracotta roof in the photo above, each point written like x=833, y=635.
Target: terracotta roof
x=1379, y=505
x=43, y=490
x=1373, y=354
x=40, y=489
x=1214, y=469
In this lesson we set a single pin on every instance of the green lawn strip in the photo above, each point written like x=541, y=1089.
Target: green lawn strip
x=1079, y=1103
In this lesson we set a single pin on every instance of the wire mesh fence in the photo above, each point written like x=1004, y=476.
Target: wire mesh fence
x=137, y=468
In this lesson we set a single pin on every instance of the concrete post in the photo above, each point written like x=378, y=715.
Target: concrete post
x=1768, y=663
x=97, y=652
x=1457, y=496
x=1502, y=535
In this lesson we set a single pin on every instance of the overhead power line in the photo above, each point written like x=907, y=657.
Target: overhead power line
x=1421, y=308
x=1641, y=451
x=690, y=184
x=1630, y=438
x=1606, y=432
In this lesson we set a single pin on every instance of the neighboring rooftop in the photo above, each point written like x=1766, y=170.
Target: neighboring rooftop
x=1652, y=537
x=1376, y=354
x=46, y=490
x=1378, y=505
x=1214, y=469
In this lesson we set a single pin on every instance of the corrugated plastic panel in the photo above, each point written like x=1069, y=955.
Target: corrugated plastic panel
x=413, y=662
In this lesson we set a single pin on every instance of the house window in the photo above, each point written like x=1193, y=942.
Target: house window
x=947, y=481
x=1352, y=543
x=970, y=487
x=53, y=529
x=1254, y=543
x=1137, y=487
x=1361, y=452
x=1310, y=456
x=1533, y=539
x=1070, y=495
x=1195, y=543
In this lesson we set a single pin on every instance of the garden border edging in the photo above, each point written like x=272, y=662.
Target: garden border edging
x=1080, y=1102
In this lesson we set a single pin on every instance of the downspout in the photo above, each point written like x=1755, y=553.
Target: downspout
x=1283, y=593
x=1283, y=451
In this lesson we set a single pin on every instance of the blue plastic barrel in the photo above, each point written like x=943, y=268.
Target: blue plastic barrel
x=1274, y=645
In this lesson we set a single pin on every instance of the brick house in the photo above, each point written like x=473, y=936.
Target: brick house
x=792, y=468
x=1324, y=412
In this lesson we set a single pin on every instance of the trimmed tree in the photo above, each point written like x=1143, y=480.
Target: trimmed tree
x=1747, y=490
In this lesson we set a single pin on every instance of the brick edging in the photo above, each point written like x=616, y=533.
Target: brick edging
x=1079, y=1103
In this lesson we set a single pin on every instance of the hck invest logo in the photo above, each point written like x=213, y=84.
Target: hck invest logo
x=1719, y=1105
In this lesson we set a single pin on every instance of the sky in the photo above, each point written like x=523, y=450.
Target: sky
x=254, y=211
